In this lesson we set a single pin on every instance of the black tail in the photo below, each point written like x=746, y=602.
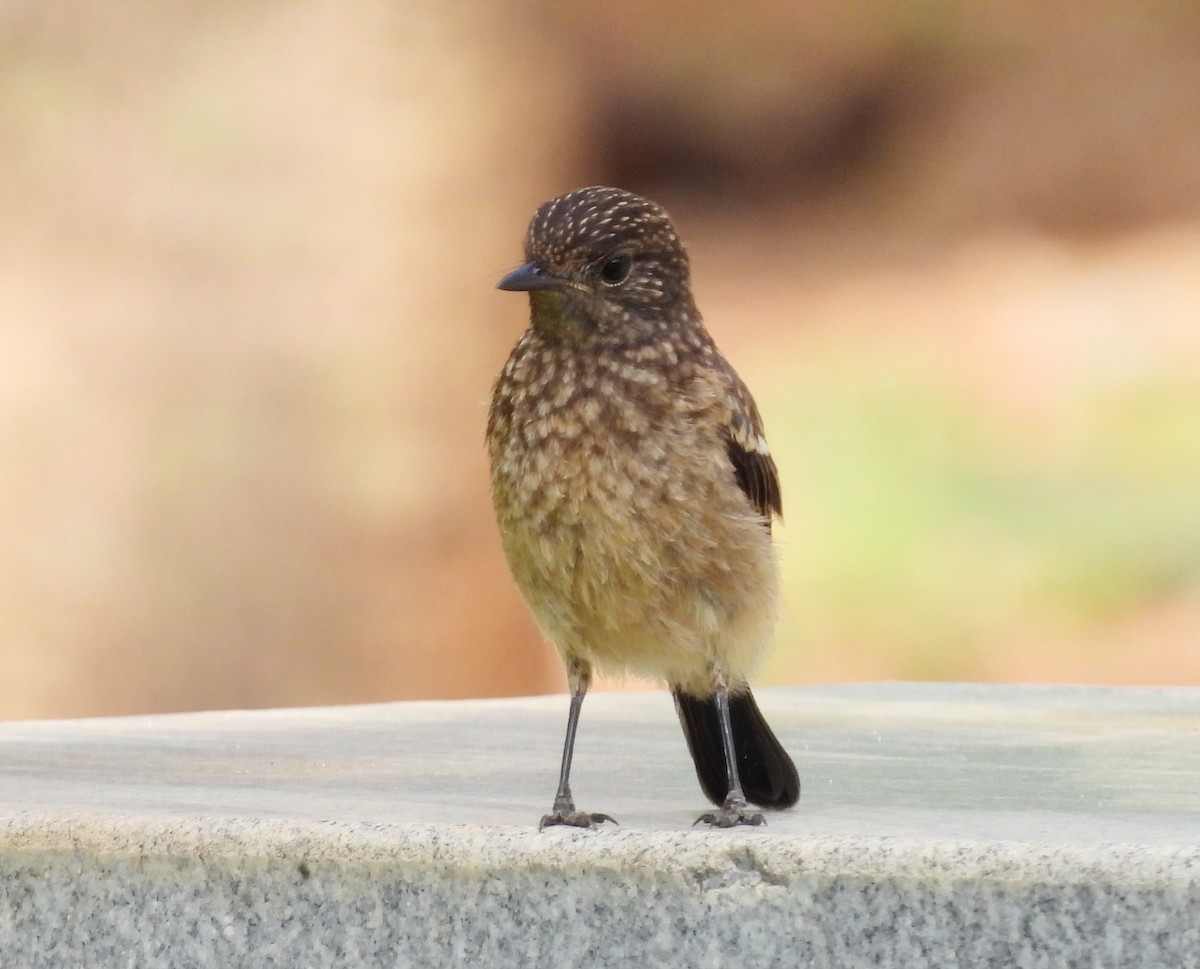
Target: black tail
x=768, y=776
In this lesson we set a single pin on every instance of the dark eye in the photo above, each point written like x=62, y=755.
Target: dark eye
x=616, y=269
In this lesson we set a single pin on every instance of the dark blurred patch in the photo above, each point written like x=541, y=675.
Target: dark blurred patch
x=757, y=150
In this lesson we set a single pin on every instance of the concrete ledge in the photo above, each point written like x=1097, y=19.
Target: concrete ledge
x=940, y=826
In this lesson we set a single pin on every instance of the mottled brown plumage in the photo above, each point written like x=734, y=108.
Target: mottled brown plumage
x=633, y=486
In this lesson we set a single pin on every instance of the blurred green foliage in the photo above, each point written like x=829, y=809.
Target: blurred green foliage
x=928, y=527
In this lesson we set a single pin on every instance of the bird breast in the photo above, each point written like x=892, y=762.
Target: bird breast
x=620, y=514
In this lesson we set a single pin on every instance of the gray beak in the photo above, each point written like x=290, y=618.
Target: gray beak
x=529, y=277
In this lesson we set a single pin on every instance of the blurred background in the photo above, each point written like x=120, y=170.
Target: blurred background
x=248, y=329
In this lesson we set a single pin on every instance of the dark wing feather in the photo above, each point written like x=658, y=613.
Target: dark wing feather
x=757, y=477
x=754, y=467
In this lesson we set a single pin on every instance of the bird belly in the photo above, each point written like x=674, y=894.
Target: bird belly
x=639, y=571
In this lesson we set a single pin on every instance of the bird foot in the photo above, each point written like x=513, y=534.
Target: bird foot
x=730, y=816
x=574, y=819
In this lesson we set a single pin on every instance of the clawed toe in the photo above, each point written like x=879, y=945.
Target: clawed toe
x=729, y=817
x=575, y=819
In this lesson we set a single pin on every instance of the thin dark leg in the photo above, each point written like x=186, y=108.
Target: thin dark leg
x=731, y=769
x=563, y=801
x=564, y=812
x=733, y=811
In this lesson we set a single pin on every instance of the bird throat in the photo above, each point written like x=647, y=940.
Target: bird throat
x=558, y=317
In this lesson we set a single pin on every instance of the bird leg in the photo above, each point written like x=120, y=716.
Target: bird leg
x=579, y=676
x=733, y=812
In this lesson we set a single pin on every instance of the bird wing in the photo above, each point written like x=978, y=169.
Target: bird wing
x=746, y=445
x=727, y=404
x=753, y=466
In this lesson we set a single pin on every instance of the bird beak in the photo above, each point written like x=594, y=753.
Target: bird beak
x=529, y=277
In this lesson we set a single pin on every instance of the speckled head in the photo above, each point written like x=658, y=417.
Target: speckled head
x=606, y=251
x=590, y=222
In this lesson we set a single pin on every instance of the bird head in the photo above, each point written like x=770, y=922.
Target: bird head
x=602, y=260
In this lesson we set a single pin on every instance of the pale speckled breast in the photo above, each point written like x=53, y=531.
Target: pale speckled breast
x=621, y=517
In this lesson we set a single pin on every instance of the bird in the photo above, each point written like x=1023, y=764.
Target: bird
x=634, y=492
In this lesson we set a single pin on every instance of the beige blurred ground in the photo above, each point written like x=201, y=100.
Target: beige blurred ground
x=248, y=330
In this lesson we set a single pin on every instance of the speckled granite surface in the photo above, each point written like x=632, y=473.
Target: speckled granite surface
x=940, y=826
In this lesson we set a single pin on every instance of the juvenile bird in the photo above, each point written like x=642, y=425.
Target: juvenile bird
x=634, y=490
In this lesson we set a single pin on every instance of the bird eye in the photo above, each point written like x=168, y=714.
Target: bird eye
x=616, y=269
